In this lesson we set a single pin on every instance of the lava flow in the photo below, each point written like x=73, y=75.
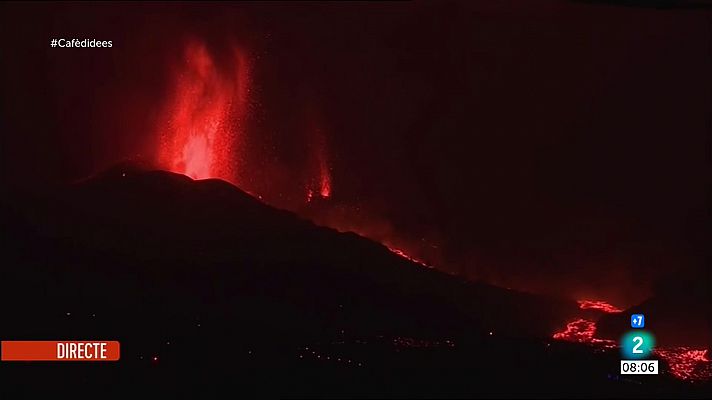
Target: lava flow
x=598, y=305
x=202, y=128
x=408, y=257
x=583, y=331
x=686, y=363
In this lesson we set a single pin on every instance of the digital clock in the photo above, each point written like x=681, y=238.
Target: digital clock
x=639, y=367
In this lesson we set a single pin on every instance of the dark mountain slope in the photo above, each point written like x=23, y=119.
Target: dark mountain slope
x=206, y=286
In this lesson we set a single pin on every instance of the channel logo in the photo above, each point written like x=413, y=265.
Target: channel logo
x=637, y=321
x=637, y=345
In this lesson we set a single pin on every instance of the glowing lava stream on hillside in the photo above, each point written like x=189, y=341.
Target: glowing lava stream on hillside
x=684, y=363
x=598, y=305
x=583, y=330
x=407, y=257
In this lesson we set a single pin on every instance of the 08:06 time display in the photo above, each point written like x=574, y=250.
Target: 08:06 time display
x=646, y=367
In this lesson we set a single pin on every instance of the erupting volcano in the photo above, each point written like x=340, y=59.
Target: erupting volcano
x=411, y=199
x=202, y=129
x=202, y=132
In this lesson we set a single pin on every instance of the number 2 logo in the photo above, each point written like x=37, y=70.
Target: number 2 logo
x=636, y=348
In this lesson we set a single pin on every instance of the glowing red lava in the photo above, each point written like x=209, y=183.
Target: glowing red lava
x=583, y=331
x=321, y=184
x=686, y=363
x=203, y=120
x=408, y=257
x=202, y=128
x=598, y=305
x=324, y=180
x=202, y=135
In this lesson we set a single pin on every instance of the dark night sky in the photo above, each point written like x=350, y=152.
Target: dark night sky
x=552, y=146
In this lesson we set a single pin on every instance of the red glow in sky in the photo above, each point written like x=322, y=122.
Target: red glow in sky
x=598, y=305
x=203, y=123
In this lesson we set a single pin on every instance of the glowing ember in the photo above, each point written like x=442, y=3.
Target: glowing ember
x=583, y=331
x=598, y=305
x=202, y=124
x=687, y=364
x=408, y=257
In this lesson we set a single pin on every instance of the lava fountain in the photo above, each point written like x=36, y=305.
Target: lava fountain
x=202, y=129
x=320, y=181
x=320, y=155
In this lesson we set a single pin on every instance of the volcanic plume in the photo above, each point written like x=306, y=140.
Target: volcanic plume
x=202, y=129
x=203, y=134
